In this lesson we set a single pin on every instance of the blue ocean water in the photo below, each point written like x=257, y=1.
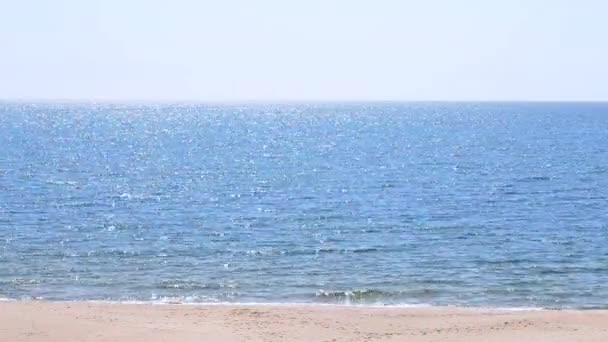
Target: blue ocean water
x=475, y=204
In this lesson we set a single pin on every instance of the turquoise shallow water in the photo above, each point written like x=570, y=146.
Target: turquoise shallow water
x=477, y=204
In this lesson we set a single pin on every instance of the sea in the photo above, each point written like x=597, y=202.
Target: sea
x=476, y=204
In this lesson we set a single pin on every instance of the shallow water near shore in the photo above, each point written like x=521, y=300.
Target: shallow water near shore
x=469, y=204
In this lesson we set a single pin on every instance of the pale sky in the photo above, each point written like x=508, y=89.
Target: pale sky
x=324, y=50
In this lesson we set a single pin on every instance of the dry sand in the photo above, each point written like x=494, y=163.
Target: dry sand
x=82, y=321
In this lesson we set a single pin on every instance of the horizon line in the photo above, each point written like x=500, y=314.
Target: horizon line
x=284, y=101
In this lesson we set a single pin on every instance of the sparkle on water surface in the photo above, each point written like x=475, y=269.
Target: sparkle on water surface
x=482, y=204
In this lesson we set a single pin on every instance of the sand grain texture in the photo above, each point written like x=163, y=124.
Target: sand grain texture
x=81, y=321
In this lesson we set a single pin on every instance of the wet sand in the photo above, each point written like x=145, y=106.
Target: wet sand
x=85, y=321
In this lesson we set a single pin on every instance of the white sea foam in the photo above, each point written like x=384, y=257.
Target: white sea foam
x=198, y=301
x=188, y=302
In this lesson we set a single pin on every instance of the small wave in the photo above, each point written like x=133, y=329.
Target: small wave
x=304, y=251
x=116, y=252
x=346, y=250
x=370, y=296
x=356, y=294
x=534, y=179
x=192, y=285
x=182, y=300
x=59, y=182
x=21, y=282
x=373, y=295
x=125, y=196
x=79, y=204
x=514, y=261
x=365, y=250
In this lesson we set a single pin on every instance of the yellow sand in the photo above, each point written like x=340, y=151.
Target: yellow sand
x=82, y=321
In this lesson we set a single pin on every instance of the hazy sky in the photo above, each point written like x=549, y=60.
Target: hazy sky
x=227, y=50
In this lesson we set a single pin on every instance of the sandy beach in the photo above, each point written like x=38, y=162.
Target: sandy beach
x=83, y=321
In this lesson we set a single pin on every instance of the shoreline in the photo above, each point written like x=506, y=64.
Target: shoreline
x=177, y=302
x=39, y=320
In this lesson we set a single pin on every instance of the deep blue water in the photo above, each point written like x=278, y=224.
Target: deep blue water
x=478, y=204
